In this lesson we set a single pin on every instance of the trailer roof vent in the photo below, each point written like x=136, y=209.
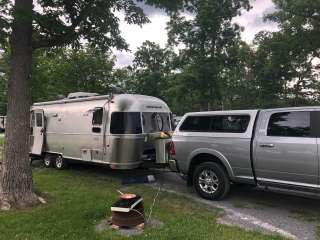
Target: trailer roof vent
x=81, y=95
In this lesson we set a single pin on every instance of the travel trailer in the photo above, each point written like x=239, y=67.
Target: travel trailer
x=3, y=120
x=117, y=130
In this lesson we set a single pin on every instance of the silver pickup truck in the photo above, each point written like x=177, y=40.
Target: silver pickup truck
x=273, y=147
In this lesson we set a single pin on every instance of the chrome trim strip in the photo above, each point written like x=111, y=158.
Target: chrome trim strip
x=289, y=183
x=245, y=177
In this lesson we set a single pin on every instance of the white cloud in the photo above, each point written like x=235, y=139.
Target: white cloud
x=156, y=30
x=253, y=22
x=123, y=59
x=135, y=35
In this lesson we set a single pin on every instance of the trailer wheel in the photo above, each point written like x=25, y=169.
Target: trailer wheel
x=60, y=162
x=211, y=181
x=48, y=163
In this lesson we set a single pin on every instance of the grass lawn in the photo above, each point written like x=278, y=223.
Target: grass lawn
x=79, y=199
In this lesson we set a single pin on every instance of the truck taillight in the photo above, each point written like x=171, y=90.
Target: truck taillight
x=172, y=150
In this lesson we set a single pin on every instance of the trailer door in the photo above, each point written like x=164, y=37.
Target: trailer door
x=37, y=131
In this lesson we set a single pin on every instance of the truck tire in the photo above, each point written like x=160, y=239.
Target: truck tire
x=48, y=163
x=60, y=162
x=211, y=181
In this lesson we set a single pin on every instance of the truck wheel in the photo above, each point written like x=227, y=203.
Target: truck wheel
x=48, y=163
x=60, y=162
x=211, y=181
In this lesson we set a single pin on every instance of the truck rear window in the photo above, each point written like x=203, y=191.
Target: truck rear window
x=217, y=123
x=125, y=123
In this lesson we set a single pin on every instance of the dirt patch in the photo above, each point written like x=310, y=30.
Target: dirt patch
x=106, y=225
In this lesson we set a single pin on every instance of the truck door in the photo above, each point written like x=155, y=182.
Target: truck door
x=286, y=149
x=315, y=122
x=37, y=131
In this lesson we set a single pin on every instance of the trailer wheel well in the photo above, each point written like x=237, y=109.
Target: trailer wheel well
x=201, y=158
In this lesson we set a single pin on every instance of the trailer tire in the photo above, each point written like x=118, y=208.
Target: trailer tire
x=60, y=162
x=48, y=163
x=211, y=181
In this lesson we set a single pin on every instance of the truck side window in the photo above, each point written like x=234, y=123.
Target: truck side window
x=97, y=116
x=196, y=124
x=289, y=124
x=216, y=123
x=230, y=123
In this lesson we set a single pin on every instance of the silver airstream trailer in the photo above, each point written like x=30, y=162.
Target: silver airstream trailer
x=117, y=130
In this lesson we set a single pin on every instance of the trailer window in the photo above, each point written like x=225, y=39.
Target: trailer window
x=172, y=122
x=39, y=119
x=32, y=120
x=125, y=123
x=97, y=116
x=155, y=122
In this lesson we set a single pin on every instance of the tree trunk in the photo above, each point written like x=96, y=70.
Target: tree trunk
x=16, y=187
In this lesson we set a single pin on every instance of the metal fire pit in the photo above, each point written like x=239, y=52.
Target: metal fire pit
x=129, y=219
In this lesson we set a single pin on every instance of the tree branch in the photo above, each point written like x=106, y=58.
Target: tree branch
x=69, y=36
x=58, y=40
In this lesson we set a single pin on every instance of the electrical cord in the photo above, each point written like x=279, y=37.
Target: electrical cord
x=151, y=207
x=135, y=210
x=153, y=203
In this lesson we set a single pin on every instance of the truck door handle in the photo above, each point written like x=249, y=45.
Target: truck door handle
x=267, y=145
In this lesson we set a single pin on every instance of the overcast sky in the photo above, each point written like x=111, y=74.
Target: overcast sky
x=155, y=31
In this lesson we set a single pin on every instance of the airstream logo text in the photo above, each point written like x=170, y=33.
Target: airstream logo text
x=158, y=107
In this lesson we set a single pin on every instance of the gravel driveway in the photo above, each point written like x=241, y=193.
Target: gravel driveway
x=267, y=210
